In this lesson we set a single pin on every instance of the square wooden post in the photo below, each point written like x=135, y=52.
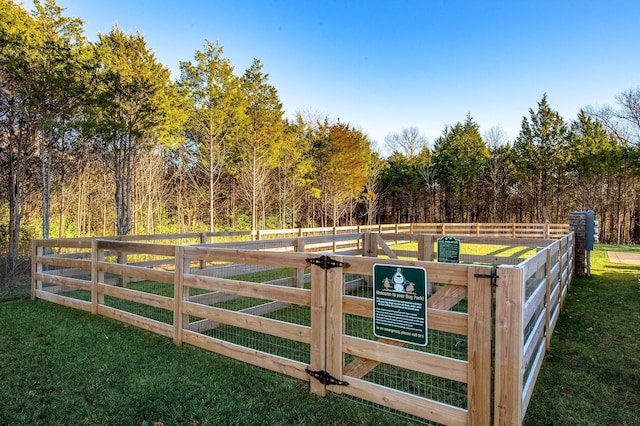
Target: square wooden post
x=335, y=324
x=479, y=294
x=548, y=302
x=318, y=326
x=97, y=277
x=299, y=247
x=180, y=294
x=509, y=347
x=425, y=247
x=36, y=268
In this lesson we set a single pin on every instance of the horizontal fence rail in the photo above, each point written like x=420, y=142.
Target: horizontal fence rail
x=263, y=302
x=507, y=230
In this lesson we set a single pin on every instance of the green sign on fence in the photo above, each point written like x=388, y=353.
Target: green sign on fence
x=400, y=303
x=449, y=250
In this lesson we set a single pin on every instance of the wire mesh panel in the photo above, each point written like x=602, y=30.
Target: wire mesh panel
x=257, y=310
x=427, y=382
x=62, y=272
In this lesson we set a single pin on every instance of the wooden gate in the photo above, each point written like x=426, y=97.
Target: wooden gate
x=448, y=381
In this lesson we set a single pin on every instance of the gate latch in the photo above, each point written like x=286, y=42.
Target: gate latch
x=326, y=378
x=493, y=276
x=325, y=262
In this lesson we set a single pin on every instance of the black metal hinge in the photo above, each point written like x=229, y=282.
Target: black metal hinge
x=326, y=378
x=493, y=276
x=325, y=262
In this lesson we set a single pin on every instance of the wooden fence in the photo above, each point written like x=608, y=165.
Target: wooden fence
x=512, y=230
x=264, y=303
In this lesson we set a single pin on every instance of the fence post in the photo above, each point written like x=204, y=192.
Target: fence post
x=318, y=326
x=334, y=322
x=425, y=247
x=509, y=347
x=548, y=301
x=372, y=249
x=181, y=266
x=122, y=260
x=203, y=240
x=299, y=247
x=97, y=277
x=36, y=268
x=479, y=296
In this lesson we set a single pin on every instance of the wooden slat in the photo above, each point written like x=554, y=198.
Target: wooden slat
x=536, y=338
x=84, y=264
x=261, y=359
x=448, y=321
x=64, y=242
x=535, y=301
x=254, y=257
x=391, y=352
x=447, y=297
x=138, y=248
x=64, y=281
x=259, y=324
x=64, y=301
x=299, y=296
x=531, y=265
x=445, y=273
x=137, y=272
x=385, y=248
x=136, y=321
x=360, y=366
x=137, y=296
x=407, y=403
x=529, y=384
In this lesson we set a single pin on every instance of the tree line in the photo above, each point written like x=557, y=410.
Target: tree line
x=96, y=138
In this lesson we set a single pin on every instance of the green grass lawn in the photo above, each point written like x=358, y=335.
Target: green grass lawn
x=591, y=373
x=62, y=366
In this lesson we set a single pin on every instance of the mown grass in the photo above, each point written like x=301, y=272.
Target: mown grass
x=591, y=373
x=62, y=366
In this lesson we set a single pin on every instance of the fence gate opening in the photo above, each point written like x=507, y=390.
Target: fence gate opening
x=447, y=381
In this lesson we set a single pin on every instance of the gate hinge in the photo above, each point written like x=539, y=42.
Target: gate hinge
x=326, y=378
x=325, y=262
x=493, y=276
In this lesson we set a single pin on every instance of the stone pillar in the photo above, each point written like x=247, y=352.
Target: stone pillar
x=578, y=224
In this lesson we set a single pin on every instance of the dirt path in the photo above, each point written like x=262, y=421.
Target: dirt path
x=625, y=258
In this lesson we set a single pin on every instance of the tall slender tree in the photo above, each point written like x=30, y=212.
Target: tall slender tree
x=127, y=118
x=18, y=50
x=60, y=72
x=216, y=108
x=261, y=141
x=459, y=157
x=541, y=156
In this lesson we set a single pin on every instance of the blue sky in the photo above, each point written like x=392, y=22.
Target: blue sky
x=386, y=65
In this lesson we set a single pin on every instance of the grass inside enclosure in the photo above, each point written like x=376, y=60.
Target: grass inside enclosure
x=63, y=366
x=476, y=249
